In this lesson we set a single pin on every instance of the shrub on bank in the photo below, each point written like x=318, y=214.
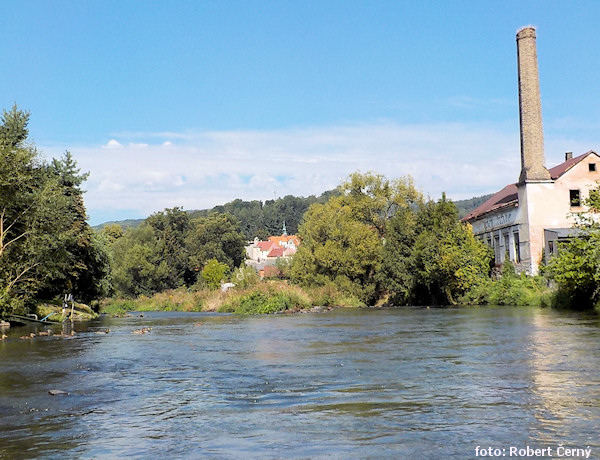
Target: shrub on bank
x=265, y=298
x=510, y=289
x=251, y=298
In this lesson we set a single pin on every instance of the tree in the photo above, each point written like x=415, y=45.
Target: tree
x=343, y=239
x=33, y=212
x=216, y=236
x=84, y=263
x=447, y=258
x=337, y=248
x=138, y=267
x=171, y=227
x=374, y=199
x=576, y=267
x=213, y=273
x=397, y=275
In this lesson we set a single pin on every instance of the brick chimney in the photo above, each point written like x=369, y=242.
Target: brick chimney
x=530, y=109
x=568, y=156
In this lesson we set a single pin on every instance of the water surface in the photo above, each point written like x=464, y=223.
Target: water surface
x=351, y=383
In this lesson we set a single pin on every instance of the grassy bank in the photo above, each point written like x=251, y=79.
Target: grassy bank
x=265, y=297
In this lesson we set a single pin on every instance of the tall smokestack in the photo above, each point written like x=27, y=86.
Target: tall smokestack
x=530, y=109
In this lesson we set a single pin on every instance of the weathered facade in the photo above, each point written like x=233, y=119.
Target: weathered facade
x=524, y=220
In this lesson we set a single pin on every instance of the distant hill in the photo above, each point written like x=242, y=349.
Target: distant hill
x=466, y=206
x=123, y=223
x=262, y=219
x=257, y=218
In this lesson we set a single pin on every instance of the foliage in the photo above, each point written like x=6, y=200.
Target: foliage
x=46, y=247
x=448, y=259
x=213, y=273
x=267, y=299
x=380, y=238
x=510, y=289
x=216, y=236
x=397, y=274
x=342, y=240
x=575, y=270
x=258, y=219
x=138, y=267
x=337, y=248
x=244, y=277
x=170, y=228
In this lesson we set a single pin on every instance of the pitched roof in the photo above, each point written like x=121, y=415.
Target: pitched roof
x=508, y=196
x=265, y=245
x=276, y=252
x=562, y=168
x=280, y=240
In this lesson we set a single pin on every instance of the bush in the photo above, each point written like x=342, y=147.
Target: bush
x=266, y=299
x=511, y=289
x=213, y=273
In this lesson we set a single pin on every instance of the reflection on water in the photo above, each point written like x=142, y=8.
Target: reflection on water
x=391, y=383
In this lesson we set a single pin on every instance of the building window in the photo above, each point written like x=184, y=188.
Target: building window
x=575, y=197
x=592, y=167
x=551, y=247
x=517, y=247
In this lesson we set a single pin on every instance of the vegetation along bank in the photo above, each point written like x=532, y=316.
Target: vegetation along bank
x=372, y=241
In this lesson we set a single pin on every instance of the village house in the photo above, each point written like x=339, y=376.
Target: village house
x=263, y=255
x=524, y=221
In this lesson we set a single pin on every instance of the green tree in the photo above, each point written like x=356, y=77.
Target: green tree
x=337, y=248
x=33, y=214
x=216, y=236
x=213, y=273
x=397, y=276
x=83, y=265
x=447, y=259
x=576, y=268
x=171, y=227
x=343, y=239
x=138, y=265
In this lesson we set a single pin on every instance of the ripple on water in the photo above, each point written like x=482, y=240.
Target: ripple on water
x=392, y=383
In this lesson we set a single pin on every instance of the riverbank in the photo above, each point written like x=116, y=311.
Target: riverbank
x=265, y=297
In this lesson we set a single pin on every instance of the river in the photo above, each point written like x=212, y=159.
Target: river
x=349, y=383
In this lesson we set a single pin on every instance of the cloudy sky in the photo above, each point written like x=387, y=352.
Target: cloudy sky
x=196, y=103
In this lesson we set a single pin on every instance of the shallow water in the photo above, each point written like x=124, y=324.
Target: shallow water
x=352, y=383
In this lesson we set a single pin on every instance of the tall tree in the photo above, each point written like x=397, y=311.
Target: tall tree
x=447, y=259
x=171, y=227
x=84, y=261
x=33, y=212
x=343, y=239
x=138, y=265
x=218, y=237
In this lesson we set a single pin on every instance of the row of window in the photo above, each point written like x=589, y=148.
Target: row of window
x=511, y=248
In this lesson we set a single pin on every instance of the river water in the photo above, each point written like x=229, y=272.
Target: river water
x=348, y=383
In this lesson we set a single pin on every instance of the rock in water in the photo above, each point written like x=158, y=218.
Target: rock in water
x=57, y=392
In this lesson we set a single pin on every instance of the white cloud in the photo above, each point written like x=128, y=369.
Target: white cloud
x=201, y=170
x=113, y=144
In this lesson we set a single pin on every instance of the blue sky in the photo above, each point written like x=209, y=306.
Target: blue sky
x=195, y=103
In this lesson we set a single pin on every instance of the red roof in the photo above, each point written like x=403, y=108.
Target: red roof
x=562, y=168
x=265, y=245
x=276, y=252
x=508, y=196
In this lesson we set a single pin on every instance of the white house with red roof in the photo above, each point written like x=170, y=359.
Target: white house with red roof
x=525, y=220
x=262, y=254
